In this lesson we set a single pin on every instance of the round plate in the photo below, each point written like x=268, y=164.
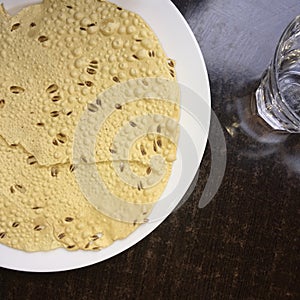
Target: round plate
x=180, y=44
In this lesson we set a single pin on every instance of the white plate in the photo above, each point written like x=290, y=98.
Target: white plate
x=179, y=43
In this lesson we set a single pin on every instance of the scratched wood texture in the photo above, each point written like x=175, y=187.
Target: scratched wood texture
x=245, y=244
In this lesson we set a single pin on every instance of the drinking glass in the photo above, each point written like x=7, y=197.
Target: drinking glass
x=278, y=96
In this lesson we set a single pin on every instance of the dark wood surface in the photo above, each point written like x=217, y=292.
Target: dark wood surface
x=244, y=244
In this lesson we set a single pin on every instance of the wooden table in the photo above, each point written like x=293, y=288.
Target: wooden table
x=244, y=244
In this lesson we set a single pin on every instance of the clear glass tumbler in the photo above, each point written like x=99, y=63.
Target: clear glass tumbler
x=278, y=96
